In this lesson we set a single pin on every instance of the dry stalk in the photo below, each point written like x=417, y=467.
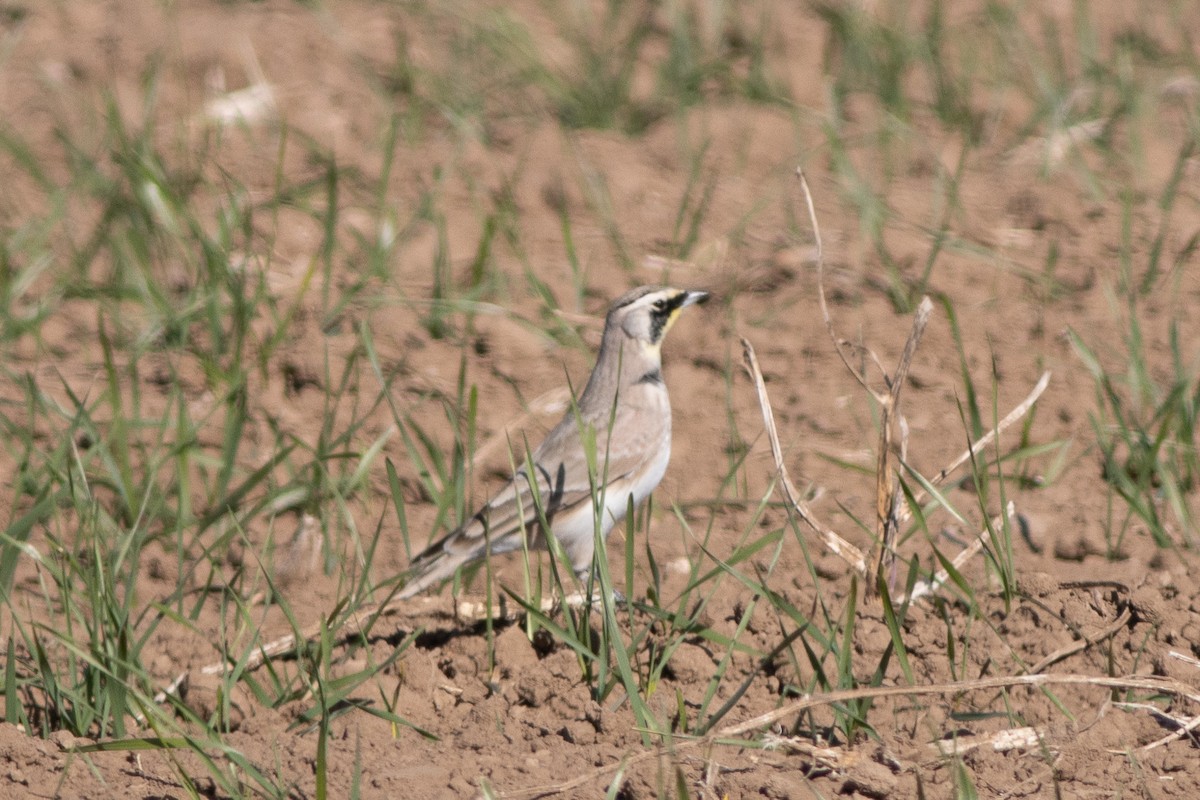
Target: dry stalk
x=999, y=742
x=930, y=587
x=813, y=755
x=1185, y=729
x=1019, y=411
x=891, y=512
x=1192, y=724
x=1175, y=654
x=836, y=544
x=363, y=618
x=1119, y=624
x=887, y=496
x=820, y=256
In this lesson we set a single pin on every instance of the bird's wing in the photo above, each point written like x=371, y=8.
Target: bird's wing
x=560, y=470
x=564, y=467
x=497, y=525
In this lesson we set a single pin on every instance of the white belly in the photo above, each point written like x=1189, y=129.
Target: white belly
x=577, y=531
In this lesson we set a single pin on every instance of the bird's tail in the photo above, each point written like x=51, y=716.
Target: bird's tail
x=426, y=571
x=439, y=563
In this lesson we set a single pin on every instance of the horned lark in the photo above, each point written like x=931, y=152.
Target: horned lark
x=626, y=408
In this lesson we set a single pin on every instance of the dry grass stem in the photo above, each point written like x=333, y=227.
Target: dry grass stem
x=999, y=742
x=364, y=618
x=887, y=497
x=1119, y=624
x=813, y=755
x=838, y=342
x=976, y=447
x=891, y=512
x=930, y=587
x=1185, y=729
x=835, y=543
x=1175, y=654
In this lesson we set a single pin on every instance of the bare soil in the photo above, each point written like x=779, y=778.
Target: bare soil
x=531, y=722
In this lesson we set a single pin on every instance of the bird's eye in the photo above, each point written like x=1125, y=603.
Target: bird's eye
x=659, y=306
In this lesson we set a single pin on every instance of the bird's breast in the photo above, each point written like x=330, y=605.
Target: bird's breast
x=650, y=426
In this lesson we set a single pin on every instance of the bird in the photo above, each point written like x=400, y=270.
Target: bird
x=625, y=407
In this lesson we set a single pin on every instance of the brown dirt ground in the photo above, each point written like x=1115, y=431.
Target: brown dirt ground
x=532, y=723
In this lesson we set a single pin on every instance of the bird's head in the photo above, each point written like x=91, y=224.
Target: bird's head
x=648, y=312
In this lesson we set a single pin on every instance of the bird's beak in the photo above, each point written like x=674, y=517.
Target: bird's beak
x=693, y=297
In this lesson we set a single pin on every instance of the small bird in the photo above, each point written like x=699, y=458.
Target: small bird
x=625, y=405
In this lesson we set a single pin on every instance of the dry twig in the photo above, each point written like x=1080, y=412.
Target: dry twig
x=1019, y=411
x=929, y=587
x=1119, y=624
x=836, y=544
x=890, y=511
x=887, y=496
x=1186, y=728
x=999, y=742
